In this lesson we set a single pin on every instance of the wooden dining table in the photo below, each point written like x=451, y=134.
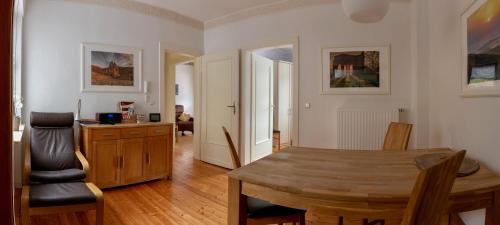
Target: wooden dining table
x=306, y=178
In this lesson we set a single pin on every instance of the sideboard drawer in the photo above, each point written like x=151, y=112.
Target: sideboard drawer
x=134, y=132
x=159, y=131
x=106, y=134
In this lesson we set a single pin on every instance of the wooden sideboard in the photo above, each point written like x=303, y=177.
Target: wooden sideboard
x=125, y=154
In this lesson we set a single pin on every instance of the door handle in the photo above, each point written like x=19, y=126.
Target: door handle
x=233, y=106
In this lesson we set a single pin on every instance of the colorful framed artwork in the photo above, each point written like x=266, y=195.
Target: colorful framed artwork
x=481, y=49
x=356, y=70
x=108, y=68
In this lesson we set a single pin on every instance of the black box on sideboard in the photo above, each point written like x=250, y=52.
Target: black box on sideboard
x=109, y=118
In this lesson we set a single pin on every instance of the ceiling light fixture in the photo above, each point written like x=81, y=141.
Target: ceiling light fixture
x=366, y=11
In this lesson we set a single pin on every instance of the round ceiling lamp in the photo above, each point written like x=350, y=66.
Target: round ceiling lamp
x=366, y=11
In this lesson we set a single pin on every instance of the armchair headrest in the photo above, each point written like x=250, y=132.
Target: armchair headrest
x=41, y=119
x=179, y=108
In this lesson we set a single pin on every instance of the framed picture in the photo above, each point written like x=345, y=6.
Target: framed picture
x=481, y=49
x=108, y=68
x=356, y=70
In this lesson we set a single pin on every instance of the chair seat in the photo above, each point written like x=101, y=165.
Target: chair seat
x=259, y=208
x=57, y=176
x=60, y=194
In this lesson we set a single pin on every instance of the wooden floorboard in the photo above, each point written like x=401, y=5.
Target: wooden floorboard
x=196, y=195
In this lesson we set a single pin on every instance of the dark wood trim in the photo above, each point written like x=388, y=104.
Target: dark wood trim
x=6, y=204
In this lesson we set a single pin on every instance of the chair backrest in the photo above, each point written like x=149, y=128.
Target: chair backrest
x=397, y=136
x=429, y=198
x=232, y=149
x=52, y=141
x=427, y=203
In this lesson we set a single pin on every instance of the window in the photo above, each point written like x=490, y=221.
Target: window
x=17, y=58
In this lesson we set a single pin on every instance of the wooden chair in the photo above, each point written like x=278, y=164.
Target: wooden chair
x=427, y=204
x=397, y=136
x=54, y=170
x=260, y=212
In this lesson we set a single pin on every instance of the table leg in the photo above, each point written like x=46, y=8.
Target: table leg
x=493, y=212
x=445, y=219
x=236, y=213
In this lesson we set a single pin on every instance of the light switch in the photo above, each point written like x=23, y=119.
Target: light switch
x=308, y=105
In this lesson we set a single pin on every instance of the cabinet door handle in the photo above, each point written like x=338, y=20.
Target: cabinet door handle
x=123, y=162
x=149, y=158
x=118, y=162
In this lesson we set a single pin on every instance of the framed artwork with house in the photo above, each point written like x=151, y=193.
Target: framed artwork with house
x=481, y=49
x=109, y=68
x=356, y=70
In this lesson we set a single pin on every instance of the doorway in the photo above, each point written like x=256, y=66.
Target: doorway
x=184, y=99
x=216, y=99
x=272, y=99
x=170, y=57
x=282, y=59
x=177, y=69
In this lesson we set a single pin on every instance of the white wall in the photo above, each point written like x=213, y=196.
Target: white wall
x=184, y=77
x=326, y=26
x=54, y=31
x=457, y=122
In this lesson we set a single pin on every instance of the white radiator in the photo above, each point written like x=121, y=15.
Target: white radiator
x=364, y=129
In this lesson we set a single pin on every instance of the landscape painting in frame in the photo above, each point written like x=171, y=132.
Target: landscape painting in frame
x=481, y=49
x=357, y=70
x=109, y=68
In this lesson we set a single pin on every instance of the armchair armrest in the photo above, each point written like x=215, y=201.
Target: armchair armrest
x=27, y=165
x=83, y=161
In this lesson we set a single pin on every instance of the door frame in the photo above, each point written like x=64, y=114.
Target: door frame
x=6, y=189
x=167, y=109
x=246, y=93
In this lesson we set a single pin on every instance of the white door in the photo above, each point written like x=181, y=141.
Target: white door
x=285, y=103
x=262, y=107
x=220, y=106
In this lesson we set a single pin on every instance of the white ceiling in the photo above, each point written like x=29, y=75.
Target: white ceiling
x=205, y=10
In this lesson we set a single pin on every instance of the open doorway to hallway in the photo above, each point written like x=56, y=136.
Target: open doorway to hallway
x=179, y=94
x=282, y=92
x=272, y=97
x=184, y=99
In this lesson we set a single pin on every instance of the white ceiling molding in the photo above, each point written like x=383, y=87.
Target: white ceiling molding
x=262, y=10
x=147, y=10
x=366, y=11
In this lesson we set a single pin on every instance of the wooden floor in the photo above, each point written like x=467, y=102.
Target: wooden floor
x=196, y=195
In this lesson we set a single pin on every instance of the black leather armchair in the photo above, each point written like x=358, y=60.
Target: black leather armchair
x=53, y=152
x=55, y=169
